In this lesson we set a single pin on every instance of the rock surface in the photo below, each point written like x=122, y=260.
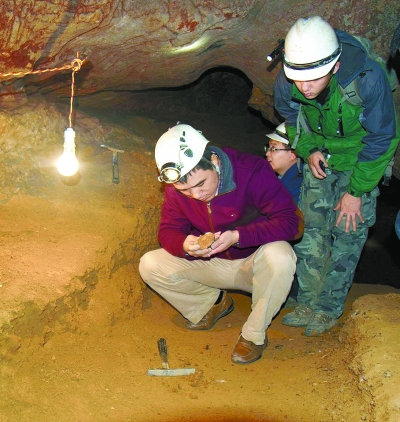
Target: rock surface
x=78, y=328
x=133, y=46
x=136, y=45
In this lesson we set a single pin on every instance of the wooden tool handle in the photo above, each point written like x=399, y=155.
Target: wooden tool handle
x=162, y=349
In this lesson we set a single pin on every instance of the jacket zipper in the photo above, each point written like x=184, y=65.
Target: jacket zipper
x=209, y=211
x=339, y=130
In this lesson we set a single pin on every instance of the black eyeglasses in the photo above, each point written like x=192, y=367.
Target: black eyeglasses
x=273, y=149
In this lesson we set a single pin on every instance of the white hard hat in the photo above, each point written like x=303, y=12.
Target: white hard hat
x=178, y=151
x=279, y=134
x=311, y=50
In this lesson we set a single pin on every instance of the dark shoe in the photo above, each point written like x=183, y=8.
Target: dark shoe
x=300, y=317
x=246, y=351
x=318, y=324
x=218, y=311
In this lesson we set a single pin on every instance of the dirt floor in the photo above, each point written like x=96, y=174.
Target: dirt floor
x=79, y=329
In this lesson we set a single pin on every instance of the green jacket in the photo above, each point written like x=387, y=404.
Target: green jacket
x=359, y=138
x=344, y=148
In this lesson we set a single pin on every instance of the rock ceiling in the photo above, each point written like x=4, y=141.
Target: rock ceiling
x=132, y=45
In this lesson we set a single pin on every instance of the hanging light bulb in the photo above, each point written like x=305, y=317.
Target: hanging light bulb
x=68, y=164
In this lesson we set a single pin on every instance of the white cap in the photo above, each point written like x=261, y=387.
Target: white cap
x=178, y=151
x=311, y=50
x=279, y=134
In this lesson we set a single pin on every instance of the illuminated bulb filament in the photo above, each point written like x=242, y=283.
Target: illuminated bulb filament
x=68, y=164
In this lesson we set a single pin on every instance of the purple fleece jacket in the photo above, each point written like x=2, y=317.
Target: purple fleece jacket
x=251, y=199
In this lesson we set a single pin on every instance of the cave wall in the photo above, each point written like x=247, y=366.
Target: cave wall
x=135, y=45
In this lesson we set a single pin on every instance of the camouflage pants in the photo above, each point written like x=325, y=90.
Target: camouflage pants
x=327, y=255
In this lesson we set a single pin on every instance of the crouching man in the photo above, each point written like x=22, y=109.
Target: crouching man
x=238, y=197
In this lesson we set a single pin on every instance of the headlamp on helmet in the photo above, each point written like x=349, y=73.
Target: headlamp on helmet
x=170, y=173
x=178, y=151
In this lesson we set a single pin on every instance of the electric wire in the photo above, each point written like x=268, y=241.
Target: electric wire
x=75, y=65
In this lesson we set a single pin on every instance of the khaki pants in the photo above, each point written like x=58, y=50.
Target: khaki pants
x=192, y=287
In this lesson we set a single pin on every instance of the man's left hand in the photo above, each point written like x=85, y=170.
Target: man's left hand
x=349, y=207
x=224, y=241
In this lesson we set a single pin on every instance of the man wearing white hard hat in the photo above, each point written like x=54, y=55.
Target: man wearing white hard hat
x=284, y=161
x=289, y=169
x=346, y=148
x=238, y=198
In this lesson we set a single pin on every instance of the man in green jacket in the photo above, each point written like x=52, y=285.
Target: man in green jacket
x=346, y=148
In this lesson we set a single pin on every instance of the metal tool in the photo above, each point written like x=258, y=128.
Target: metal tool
x=115, y=168
x=166, y=371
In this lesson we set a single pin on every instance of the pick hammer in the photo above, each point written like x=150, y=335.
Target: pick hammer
x=165, y=370
x=115, y=168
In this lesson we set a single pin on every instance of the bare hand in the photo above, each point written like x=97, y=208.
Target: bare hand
x=224, y=241
x=192, y=248
x=349, y=207
x=315, y=165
